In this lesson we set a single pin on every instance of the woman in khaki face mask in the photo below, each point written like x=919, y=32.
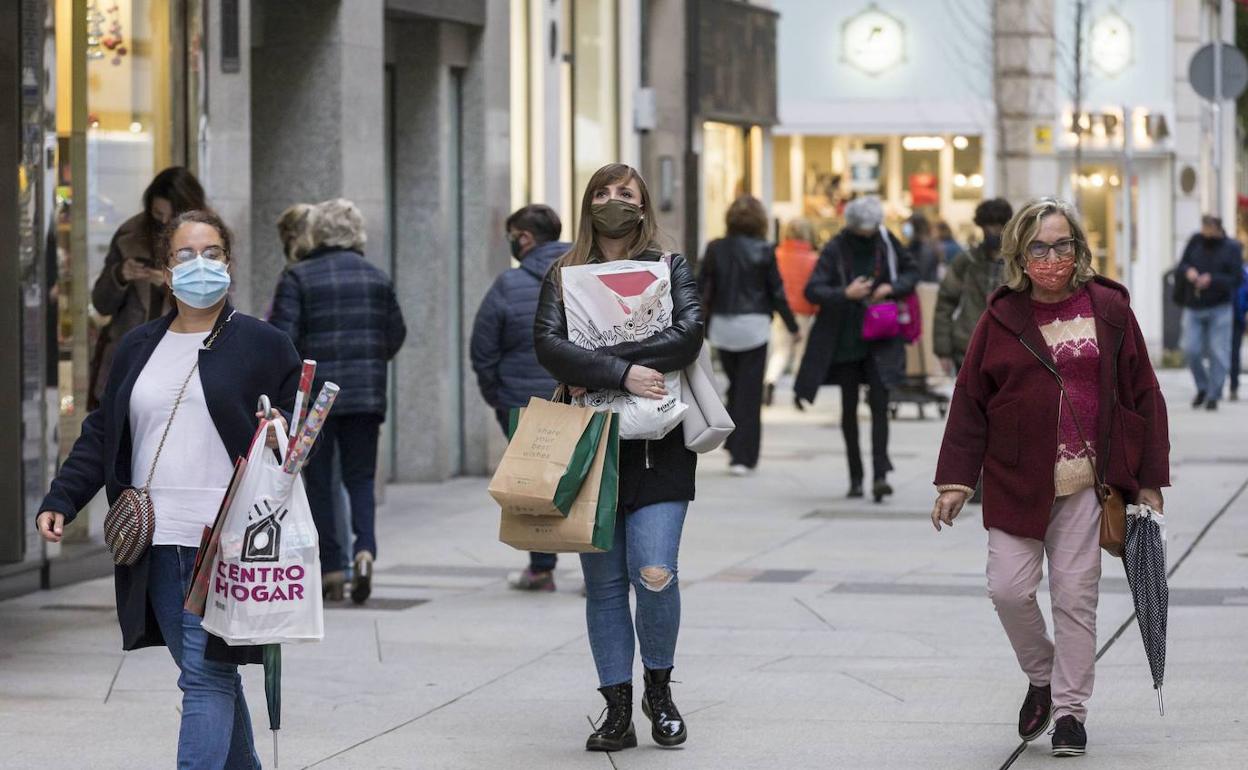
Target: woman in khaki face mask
x=656, y=477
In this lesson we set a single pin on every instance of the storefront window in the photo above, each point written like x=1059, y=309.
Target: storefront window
x=968, y=168
x=725, y=168
x=118, y=66
x=595, y=90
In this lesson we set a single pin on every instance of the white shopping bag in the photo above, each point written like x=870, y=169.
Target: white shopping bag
x=624, y=301
x=265, y=583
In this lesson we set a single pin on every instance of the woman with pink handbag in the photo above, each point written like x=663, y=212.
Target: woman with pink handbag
x=858, y=336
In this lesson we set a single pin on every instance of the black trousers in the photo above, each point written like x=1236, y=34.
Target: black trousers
x=538, y=562
x=356, y=438
x=745, y=372
x=851, y=377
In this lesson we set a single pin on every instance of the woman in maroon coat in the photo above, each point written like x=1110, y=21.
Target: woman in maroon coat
x=1055, y=323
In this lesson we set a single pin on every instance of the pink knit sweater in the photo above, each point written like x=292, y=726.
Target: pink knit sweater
x=1069, y=327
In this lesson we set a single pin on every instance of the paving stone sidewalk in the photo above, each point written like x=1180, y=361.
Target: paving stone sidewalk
x=818, y=633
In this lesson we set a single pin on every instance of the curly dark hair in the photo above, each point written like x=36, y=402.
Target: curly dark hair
x=994, y=211
x=202, y=216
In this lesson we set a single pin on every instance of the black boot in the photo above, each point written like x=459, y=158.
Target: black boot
x=855, y=488
x=615, y=731
x=667, y=726
x=881, y=489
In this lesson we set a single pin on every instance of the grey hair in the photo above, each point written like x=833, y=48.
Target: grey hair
x=865, y=213
x=338, y=223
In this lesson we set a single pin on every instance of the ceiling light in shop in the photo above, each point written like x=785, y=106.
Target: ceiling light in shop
x=1097, y=180
x=961, y=142
x=923, y=143
x=136, y=127
x=977, y=180
x=959, y=180
x=1114, y=181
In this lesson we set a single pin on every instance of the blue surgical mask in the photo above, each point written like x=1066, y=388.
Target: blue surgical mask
x=200, y=283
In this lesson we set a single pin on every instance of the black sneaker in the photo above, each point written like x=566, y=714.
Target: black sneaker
x=1037, y=711
x=1200, y=399
x=1211, y=406
x=1069, y=738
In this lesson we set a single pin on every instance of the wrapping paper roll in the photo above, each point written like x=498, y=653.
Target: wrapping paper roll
x=311, y=428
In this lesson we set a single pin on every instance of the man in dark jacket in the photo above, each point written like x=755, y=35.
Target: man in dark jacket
x=502, y=340
x=341, y=312
x=1209, y=276
x=964, y=291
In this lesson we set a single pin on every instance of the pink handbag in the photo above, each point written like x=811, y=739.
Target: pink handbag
x=881, y=322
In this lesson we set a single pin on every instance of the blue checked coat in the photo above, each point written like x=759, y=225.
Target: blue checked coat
x=341, y=311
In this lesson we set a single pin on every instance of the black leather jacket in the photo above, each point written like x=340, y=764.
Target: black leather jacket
x=650, y=471
x=739, y=275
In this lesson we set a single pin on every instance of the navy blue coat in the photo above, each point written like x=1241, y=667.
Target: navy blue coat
x=502, y=336
x=249, y=359
x=341, y=312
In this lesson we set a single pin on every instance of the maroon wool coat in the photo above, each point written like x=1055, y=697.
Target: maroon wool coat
x=1004, y=415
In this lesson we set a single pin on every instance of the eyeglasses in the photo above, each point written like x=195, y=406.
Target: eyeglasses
x=1039, y=250
x=215, y=253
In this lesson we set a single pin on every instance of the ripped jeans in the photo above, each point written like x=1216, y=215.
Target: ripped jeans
x=647, y=542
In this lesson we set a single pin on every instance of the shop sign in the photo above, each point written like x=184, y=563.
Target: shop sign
x=864, y=170
x=1106, y=129
x=1043, y=139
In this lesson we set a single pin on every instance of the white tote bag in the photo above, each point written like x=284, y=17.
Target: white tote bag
x=265, y=584
x=624, y=301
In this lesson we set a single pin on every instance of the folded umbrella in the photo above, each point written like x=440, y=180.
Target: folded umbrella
x=1144, y=556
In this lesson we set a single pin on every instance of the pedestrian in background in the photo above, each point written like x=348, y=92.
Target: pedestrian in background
x=294, y=229
x=341, y=311
x=656, y=481
x=179, y=408
x=972, y=277
x=131, y=287
x=1207, y=280
x=796, y=257
x=502, y=341
x=949, y=245
x=930, y=261
x=1032, y=388
x=853, y=270
x=741, y=291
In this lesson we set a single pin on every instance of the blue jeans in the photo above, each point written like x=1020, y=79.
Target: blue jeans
x=216, y=727
x=647, y=542
x=355, y=436
x=1207, y=334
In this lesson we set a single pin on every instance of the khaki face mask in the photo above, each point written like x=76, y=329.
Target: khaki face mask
x=615, y=218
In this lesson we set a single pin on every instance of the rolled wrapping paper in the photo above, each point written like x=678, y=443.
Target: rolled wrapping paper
x=311, y=428
x=302, y=396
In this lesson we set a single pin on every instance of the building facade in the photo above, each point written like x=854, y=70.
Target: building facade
x=936, y=106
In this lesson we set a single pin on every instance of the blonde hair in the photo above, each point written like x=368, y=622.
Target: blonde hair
x=1021, y=230
x=338, y=223
x=585, y=245
x=295, y=231
x=800, y=229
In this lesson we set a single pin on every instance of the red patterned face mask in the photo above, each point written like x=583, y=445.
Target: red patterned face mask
x=1052, y=276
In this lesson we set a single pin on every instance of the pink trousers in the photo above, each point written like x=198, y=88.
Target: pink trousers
x=1072, y=542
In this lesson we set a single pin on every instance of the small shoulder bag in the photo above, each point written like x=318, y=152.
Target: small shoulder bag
x=131, y=520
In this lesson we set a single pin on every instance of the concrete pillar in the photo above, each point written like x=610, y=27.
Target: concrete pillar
x=1025, y=82
x=317, y=120
x=665, y=22
x=451, y=167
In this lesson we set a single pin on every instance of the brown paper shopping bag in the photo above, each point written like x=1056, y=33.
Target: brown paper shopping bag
x=590, y=524
x=548, y=459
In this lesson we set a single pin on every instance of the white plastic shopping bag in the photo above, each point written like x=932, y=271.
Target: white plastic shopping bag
x=265, y=580
x=624, y=301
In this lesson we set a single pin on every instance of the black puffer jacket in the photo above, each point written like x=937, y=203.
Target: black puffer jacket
x=739, y=275
x=650, y=471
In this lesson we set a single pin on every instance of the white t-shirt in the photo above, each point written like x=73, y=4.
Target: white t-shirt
x=194, y=467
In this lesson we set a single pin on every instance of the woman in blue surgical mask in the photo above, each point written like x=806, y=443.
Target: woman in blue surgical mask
x=179, y=408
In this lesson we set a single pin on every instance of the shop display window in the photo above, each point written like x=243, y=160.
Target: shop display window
x=595, y=90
